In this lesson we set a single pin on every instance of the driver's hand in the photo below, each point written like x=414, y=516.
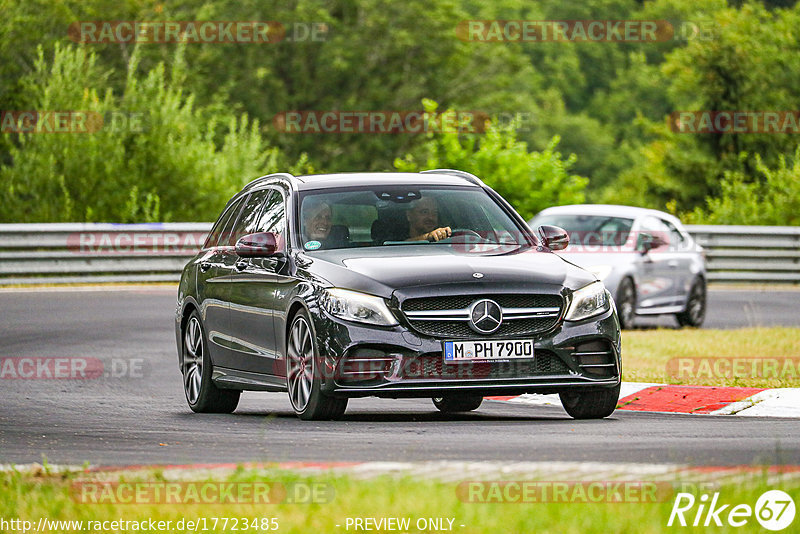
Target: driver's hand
x=438, y=234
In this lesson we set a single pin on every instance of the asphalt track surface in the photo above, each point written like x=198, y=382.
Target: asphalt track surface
x=142, y=417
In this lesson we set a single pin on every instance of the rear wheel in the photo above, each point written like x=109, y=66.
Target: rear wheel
x=695, y=312
x=591, y=403
x=303, y=378
x=626, y=303
x=457, y=403
x=201, y=393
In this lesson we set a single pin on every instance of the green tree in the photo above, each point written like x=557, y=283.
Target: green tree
x=773, y=198
x=156, y=157
x=529, y=180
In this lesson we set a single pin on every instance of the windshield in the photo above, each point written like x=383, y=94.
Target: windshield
x=467, y=218
x=590, y=229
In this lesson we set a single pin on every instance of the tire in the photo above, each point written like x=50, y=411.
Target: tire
x=457, y=403
x=695, y=312
x=303, y=379
x=626, y=303
x=590, y=404
x=196, y=367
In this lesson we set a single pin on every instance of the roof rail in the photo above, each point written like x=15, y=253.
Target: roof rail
x=462, y=174
x=260, y=179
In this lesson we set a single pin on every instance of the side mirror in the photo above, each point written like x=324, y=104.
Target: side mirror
x=553, y=237
x=258, y=245
x=648, y=242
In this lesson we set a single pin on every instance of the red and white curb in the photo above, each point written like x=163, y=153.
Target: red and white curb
x=707, y=400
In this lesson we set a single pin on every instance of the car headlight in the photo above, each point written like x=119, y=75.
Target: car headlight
x=600, y=271
x=588, y=301
x=358, y=307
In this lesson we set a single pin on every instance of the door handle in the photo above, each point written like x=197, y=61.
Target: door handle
x=672, y=264
x=241, y=265
x=204, y=266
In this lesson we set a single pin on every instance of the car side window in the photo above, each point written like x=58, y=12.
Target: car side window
x=655, y=228
x=676, y=238
x=273, y=218
x=218, y=234
x=246, y=222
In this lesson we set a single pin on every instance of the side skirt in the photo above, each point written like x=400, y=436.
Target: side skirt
x=233, y=379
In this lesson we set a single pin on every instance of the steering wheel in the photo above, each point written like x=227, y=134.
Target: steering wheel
x=465, y=232
x=464, y=236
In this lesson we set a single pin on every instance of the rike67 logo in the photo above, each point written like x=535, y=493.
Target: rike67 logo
x=774, y=510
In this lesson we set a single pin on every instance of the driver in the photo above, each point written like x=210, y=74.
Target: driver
x=423, y=221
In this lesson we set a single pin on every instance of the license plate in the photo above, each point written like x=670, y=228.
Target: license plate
x=510, y=349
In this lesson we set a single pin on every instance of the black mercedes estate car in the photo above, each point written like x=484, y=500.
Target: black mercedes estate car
x=390, y=285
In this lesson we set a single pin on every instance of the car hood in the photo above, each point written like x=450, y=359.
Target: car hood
x=591, y=259
x=384, y=270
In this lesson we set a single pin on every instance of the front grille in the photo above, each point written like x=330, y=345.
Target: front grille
x=458, y=302
x=431, y=366
x=459, y=327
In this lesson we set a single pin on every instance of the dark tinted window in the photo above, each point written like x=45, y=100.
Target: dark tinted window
x=218, y=234
x=246, y=223
x=273, y=217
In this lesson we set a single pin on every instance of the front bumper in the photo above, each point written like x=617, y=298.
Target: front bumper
x=359, y=361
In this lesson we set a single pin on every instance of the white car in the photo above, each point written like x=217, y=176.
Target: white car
x=646, y=259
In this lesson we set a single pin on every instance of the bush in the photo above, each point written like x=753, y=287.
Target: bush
x=156, y=156
x=772, y=199
x=529, y=180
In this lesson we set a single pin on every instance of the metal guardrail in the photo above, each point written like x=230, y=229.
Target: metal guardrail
x=750, y=253
x=64, y=253
x=89, y=253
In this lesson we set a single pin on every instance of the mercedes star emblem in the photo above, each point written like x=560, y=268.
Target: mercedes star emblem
x=485, y=316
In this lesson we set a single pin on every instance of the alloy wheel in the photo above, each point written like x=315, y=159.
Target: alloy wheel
x=300, y=364
x=193, y=360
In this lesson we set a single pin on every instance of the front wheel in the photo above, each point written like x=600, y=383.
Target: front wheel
x=457, y=403
x=591, y=403
x=303, y=378
x=695, y=312
x=201, y=393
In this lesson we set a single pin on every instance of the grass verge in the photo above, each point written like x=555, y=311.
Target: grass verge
x=30, y=497
x=751, y=357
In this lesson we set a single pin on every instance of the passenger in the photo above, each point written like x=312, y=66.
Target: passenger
x=316, y=220
x=423, y=221
x=317, y=226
